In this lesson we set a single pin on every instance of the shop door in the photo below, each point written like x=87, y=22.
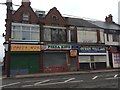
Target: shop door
x=73, y=64
x=92, y=63
x=110, y=60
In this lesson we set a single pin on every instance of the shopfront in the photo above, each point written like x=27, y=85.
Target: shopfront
x=25, y=59
x=114, y=57
x=92, y=57
x=56, y=58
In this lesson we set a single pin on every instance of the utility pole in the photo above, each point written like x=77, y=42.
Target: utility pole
x=8, y=35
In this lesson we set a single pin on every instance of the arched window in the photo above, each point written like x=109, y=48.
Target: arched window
x=54, y=19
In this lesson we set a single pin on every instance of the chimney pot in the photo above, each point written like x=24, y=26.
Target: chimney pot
x=109, y=18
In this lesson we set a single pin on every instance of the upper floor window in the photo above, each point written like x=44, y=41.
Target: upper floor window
x=26, y=32
x=115, y=38
x=54, y=18
x=26, y=16
x=85, y=36
x=55, y=35
x=72, y=36
x=107, y=35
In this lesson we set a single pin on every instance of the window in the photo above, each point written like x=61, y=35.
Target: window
x=54, y=34
x=47, y=34
x=26, y=16
x=25, y=32
x=54, y=19
x=86, y=36
x=115, y=38
x=72, y=36
x=107, y=35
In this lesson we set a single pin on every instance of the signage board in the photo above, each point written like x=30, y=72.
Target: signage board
x=89, y=49
x=15, y=47
x=73, y=53
x=116, y=60
x=57, y=47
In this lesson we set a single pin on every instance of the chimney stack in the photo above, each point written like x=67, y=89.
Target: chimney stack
x=26, y=2
x=109, y=19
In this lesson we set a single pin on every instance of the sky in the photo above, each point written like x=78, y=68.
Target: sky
x=87, y=9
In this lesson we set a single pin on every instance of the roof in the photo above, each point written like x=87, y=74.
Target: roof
x=105, y=25
x=80, y=23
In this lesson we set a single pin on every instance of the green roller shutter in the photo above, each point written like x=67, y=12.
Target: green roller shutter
x=25, y=60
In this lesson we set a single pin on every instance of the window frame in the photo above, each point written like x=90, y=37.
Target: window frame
x=58, y=34
x=21, y=30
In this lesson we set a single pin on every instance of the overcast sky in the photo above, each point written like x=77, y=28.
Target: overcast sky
x=93, y=9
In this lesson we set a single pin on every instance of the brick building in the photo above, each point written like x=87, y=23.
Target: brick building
x=36, y=42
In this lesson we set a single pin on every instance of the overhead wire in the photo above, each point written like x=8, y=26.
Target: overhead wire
x=67, y=15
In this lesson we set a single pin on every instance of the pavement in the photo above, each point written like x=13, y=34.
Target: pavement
x=61, y=73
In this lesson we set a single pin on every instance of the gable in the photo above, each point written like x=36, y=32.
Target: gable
x=54, y=18
x=18, y=15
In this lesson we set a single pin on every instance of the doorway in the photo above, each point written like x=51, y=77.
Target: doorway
x=73, y=64
x=92, y=63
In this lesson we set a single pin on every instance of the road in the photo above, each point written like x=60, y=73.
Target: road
x=84, y=80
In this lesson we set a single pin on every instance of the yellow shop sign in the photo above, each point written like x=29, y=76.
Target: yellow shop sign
x=73, y=53
x=15, y=47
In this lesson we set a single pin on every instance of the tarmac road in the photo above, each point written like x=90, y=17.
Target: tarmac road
x=83, y=80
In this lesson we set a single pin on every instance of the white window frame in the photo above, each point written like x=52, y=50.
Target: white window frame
x=30, y=31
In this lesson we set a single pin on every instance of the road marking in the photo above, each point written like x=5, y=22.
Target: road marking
x=10, y=84
x=52, y=83
x=49, y=79
x=55, y=83
x=76, y=81
x=110, y=78
x=33, y=81
x=113, y=78
x=27, y=85
x=69, y=80
x=41, y=82
x=115, y=75
x=94, y=77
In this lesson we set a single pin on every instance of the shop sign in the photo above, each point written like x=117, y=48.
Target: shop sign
x=92, y=49
x=75, y=47
x=15, y=47
x=73, y=53
x=58, y=47
x=116, y=60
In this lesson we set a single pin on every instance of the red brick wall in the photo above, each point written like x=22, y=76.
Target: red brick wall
x=54, y=12
x=17, y=16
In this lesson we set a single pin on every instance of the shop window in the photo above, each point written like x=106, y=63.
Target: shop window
x=115, y=38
